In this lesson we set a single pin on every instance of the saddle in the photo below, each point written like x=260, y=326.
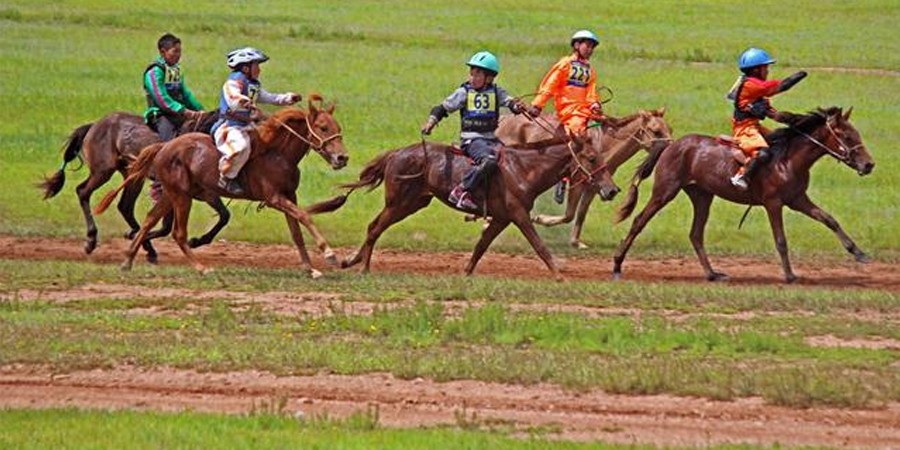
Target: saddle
x=736, y=151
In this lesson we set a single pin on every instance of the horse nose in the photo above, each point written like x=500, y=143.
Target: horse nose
x=867, y=168
x=610, y=193
x=341, y=160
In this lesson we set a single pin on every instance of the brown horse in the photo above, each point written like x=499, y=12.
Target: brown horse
x=415, y=174
x=108, y=146
x=617, y=141
x=187, y=167
x=702, y=167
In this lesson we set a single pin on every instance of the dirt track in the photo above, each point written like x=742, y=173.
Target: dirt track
x=660, y=420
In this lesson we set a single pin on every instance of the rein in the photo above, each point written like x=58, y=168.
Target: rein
x=847, y=151
x=320, y=149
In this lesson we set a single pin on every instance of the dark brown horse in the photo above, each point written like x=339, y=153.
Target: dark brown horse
x=617, y=141
x=108, y=146
x=415, y=174
x=187, y=167
x=701, y=167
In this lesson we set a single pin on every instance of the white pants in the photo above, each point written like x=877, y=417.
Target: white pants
x=234, y=145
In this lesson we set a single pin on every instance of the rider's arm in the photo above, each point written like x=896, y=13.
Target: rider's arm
x=790, y=81
x=264, y=96
x=155, y=84
x=512, y=103
x=233, y=97
x=552, y=82
x=189, y=98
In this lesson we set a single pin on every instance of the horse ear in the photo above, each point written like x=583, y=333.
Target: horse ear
x=312, y=108
x=661, y=111
x=331, y=108
x=847, y=114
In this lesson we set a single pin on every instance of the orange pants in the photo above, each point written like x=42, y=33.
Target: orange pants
x=750, y=138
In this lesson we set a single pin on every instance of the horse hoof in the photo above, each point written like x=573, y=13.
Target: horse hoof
x=194, y=242
x=131, y=234
x=126, y=266
x=203, y=270
x=863, y=258
x=616, y=276
x=90, y=246
x=331, y=258
x=315, y=274
x=152, y=259
x=579, y=245
x=717, y=276
x=790, y=278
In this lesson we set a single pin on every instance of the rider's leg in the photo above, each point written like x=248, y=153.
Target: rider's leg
x=234, y=146
x=166, y=128
x=751, y=141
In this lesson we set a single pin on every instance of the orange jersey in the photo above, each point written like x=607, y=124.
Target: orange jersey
x=572, y=83
x=753, y=89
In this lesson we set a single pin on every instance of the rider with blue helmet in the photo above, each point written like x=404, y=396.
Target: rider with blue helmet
x=478, y=101
x=750, y=96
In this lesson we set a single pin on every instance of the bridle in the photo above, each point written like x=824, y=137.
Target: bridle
x=847, y=152
x=320, y=149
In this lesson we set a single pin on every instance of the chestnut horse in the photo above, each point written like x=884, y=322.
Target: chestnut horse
x=187, y=167
x=415, y=174
x=108, y=146
x=617, y=141
x=702, y=167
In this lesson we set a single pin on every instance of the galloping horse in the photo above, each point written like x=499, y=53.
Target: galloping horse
x=702, y=167
x=617, y=141
x=187, y=167
x=108, y=146
x=415, y=174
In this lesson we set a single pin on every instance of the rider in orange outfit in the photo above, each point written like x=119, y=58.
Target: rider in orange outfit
x=750, y=95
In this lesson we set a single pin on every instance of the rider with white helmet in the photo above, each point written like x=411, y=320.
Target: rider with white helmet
x=240, y=94
x=478, y=101
x=750, y=96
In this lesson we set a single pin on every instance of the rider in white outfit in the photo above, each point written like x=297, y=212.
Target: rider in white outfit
x=240, y=94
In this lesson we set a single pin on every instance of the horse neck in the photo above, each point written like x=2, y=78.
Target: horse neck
x=285, y=144
x=544, y=167
x=618, y=145
x=802, y=153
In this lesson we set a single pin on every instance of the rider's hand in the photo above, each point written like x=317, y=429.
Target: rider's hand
x=294, y=97
x=597, y=108
x=428, y=126
x=517, y=106
x=534, y=111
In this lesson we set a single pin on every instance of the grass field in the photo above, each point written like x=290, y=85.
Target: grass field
x=67, y=63
x=387, y=70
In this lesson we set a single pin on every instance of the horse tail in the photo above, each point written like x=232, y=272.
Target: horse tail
x=137, y=171
x=371, y=176
x=52, y=185
x=641, y=173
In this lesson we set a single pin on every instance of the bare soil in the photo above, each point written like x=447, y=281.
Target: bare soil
x=658, y=420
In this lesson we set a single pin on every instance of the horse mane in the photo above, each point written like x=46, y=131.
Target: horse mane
x=269, y=129
x=799, y=125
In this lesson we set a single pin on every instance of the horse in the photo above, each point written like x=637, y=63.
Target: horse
x=617, y=141
x=415, y=174
x=701, y=166
x=187, y=167
x=108, y=146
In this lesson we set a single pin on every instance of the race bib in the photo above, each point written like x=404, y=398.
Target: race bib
x=481, y=103
x=173, y=75
x=579, y=74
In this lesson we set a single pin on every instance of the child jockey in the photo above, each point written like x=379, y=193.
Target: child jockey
x=572, y=83
x=169, y=101
x=478, y=101
x=750, y=95
x=238, y=101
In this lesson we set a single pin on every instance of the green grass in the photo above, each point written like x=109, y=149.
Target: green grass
x=387, y=70
x=72, y=429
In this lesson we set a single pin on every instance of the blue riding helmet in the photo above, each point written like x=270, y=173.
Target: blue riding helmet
x=753, y=57
x=486, y=61
x=584, y=35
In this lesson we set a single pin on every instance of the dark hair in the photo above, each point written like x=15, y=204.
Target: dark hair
x=167, y=41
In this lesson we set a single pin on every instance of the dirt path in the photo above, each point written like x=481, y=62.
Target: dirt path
x=743, y=271
x=659, y=420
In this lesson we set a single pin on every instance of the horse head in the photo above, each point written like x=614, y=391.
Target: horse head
x=325, y=132
x=589, y=166
x=845, y=142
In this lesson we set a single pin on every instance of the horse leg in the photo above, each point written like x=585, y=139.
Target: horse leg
x=391, y=214
x=527, y=229
x=224, y=217
x=777, y=223
x=164, y=230
x=297, y=237
x=160, y=209
x=806, y=206
x=288, y=205
x=702, y=200
x=84, y=191
x=663, y=193
x=575, y=238
x=572, y=200
x=182, y=206
x=126, y=206
x=487, y=236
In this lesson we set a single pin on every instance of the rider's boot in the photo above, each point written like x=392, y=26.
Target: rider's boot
x=461, y=198
x=231, y=185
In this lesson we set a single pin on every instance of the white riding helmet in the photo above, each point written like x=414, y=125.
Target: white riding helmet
x=245, y=55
